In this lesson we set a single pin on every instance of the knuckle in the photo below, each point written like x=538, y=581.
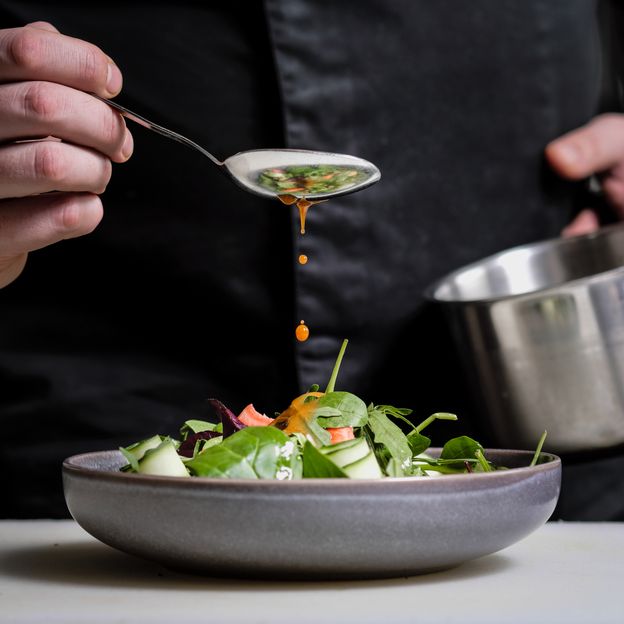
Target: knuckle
x=40, y=102
x=49, y=163
x=26, y=48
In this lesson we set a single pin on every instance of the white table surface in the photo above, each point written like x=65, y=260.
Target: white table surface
x=52, y=571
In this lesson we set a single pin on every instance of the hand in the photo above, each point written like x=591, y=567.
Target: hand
x=597, y=148
x=53, y=137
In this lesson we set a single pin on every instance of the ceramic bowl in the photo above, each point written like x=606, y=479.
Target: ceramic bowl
x=312, y=528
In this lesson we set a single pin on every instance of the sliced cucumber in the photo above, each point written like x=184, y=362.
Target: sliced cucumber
x=347, y=452
x=139, y=449
x=163, y=460
x=364, y=468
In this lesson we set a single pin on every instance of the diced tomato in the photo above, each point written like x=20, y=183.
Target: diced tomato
x=340, y=434
x=253, y=418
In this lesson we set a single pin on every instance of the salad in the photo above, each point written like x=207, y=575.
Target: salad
x=330, y=434
x=310, y=179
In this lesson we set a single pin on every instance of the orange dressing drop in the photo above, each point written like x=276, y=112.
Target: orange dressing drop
x=303, y=259
x=302, y=332
x=303, y=205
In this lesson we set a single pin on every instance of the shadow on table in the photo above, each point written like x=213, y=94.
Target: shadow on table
x=94, y=564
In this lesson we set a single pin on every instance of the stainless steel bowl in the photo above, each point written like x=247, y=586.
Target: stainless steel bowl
x=541, y=331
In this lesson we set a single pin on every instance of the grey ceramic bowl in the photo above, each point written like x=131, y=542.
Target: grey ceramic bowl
x=311, y=528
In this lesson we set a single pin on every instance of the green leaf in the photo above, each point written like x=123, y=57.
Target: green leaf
x=418, y=443
x=461, y=448
x=341, y=409
x=196, y=426
x=390, y=436
x=396, y=412
x=252, y=453
x=316, y=465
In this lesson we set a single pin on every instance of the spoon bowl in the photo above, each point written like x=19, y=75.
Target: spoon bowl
x=308, y=174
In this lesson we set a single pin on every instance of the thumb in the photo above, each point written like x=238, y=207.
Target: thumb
x=585, y=222
x=43, y=26
x=594, y=148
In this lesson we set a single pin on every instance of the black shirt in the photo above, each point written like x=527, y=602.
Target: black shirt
x=190, y=288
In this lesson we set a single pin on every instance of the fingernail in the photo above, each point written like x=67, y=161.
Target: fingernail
x=128, y=146
x=114, y=79
x=570, y=152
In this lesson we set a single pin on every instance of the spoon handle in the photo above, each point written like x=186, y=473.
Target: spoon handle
x=150, y=125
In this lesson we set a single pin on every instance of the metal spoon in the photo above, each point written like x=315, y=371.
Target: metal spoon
x=265, y=171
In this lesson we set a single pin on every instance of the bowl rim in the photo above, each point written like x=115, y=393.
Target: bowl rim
x=553, y=463
x=430, y=290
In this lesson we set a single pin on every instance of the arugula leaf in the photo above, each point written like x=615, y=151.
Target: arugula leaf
x=341, y=409
x=390, y=436
x=316, y=465
x=251, y=453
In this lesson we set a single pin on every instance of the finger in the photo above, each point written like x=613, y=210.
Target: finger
x=613, y=189
x=585, y=222
x=594, y=148
x=42, y=26
x=10, y=268
x=35, y=222
x=36, y=109
x=40, y=54
x=43, y=166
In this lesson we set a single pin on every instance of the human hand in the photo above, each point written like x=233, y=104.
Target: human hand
x=596, y=148
x=53, y=137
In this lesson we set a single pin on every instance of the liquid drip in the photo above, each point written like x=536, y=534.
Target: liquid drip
x=302, y=203
x=302, y=332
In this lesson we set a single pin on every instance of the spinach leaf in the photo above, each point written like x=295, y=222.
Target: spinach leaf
x=316, y=465
x=341, y=409
x=390, y=436
x=418, y=443
x=461, y=448
x=251, y=453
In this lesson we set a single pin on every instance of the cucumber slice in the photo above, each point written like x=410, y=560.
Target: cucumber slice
x=347, y=452
x=138, y=449
x=364, y=468
x=164, y=461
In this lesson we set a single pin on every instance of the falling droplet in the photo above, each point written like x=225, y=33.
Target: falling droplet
x=303, y=259
x=302, y=332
